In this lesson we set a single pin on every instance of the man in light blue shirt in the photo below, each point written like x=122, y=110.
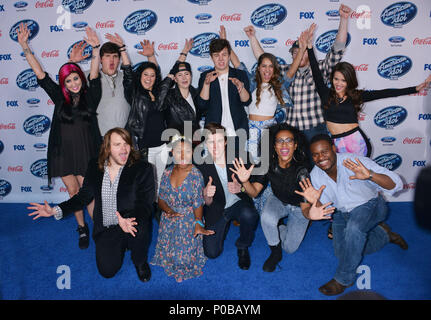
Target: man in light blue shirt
x=352, y=183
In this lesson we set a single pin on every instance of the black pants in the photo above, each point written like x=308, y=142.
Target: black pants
x=248, y=218
x=112, y=244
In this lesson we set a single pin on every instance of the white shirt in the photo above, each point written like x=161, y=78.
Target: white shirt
x=268, y=102
x=191, y=103
x=226, y=118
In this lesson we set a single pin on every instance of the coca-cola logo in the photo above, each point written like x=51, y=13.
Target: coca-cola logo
x=394, y=67
x=398, y=14
x=45, y=4
x=390, y=117
x=14, y=169
x=201, y=44
x=76, y=6
x=232, y=17
x=416, y=140
x=361, y=15
x=36, y=125
x=268, y=16
x=105, y=25
x=50, y=54
x=361, y=67
x=289, y=42
x=4, y=80
x=325, y=41
x=390, y=161
x=39, y=168
x=140, y=21
x=27, y=80
x=418, y=41
x=168, y=46
x=409, y=186
x=7, y=126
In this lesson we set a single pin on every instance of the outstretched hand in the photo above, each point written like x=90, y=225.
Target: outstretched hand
x=77, y=52
x=23, y=33
x=322, y=212
x=241, y=171
x=115, y=38
x=360, y=171
x=424, y=84
x=92, y=39
x=201, y=230
x=147, y=48
x=42, y=210
x=127, y=225
x=309, y=192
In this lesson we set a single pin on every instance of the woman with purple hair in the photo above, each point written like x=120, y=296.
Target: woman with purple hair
x=74, y=137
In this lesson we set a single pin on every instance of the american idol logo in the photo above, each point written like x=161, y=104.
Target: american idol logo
x=80, y=25
x=396, y=39
x=394, y=67
x=20, y=4
x=36, y=125
x=388, y=139
x=32, y=27
x=332, y=13
x=76, y=6
x=390, y=117
x=268, y=41
x=27, y=80
x=88, y=50
x=203, y=16
x=268, y=16
x=390, y=161
x=199, y=2
x=33, y=101
x=140, y=21
x=201, y=44
x=39, y=168
x=325, y=41
x=398, y=14
x=5, y=188
x=1, y=146
x=204, y=68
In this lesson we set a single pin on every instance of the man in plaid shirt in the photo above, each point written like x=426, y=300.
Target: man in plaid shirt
x=306, y=113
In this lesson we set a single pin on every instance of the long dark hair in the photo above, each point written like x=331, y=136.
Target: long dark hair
x=299, y=158
x=274, y=82
x=349, y=73
x=138, y=73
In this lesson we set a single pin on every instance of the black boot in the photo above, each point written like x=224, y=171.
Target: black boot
x=274, y=258
x=84, y=236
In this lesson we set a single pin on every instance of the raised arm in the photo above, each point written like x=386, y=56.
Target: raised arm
x=188, y=45
x=148, y=51
x=345, y=12
x=93, y=40
x=233, y=57
x=255, y=45
x=303, y=41
x=23, y=34
x=120, y=43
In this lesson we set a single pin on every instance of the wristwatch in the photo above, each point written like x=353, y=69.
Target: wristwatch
x=242, y=189
x=371, y=175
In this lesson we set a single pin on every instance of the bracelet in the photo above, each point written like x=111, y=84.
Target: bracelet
x=183, y=54
x=98, y=46
x=371, y=175
x=122, y=46
x=121, y=50
x=199, y=222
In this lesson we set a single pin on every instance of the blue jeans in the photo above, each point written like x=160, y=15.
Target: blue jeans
x=357, y=233
x=291, y=234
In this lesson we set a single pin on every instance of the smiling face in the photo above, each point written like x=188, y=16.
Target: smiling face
x=73, y=82
x=148, y=78
x=284, y=146
x=340, y=84
x=182, y=153
x=324, y=156
x=183, y=79
x=221, y=60
x=119, y=150
x=110, y=62
x=266, y=70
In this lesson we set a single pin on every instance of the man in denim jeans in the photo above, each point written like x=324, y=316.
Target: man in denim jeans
x=353, y=184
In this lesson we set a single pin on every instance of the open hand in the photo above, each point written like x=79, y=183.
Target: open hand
x=309, y=192
x=23, y=33
x=322, y=212
x=424, y=84
x=42, y=210
x=241, y=171
x=127, y=225
x=238, y=84
x=201, y=230
x=115, y=38
x=361, y=173
x=147, y=48
x=77, y=52
x=92, y=39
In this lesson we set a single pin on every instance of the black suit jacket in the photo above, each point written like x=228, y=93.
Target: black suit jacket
x=214, y=212
x=212, y=108
x=135, y=194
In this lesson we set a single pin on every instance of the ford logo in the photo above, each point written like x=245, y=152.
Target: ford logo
x=1, y=146
x=80, y=25
x=32, y=26
x=396, y=39
x=76, y=6
x=390, y=161
x=398, y=14
x=27, y=80
x=325, y=41
x=394, y=67
x=140, y=21
x=201, y=44
x=20, y=4
x=268, y=40
x=332, y=13
x=5, y=188
x=33, y=101
x=199, y=1
x=46, y=188
x=268, y=15
x=203, y=16
x=388, y=139
x=390, y=117
x=39, y=168
x=87, y=50
x=205, y=68
x=138, y=46
x=36, y=125
x=40, y=145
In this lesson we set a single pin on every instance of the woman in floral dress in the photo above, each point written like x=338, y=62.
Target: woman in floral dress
x=179, y=245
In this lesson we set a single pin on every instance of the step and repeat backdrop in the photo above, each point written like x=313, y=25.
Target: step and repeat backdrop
x=389, y=43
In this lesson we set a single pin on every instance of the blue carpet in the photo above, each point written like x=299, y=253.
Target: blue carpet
x=31, y=251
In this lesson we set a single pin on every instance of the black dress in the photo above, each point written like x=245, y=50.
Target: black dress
x=72, y=143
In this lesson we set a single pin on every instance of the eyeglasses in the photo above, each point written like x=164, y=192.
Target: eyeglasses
x=281, y=141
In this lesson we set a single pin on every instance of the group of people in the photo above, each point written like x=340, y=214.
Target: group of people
x=107, y=145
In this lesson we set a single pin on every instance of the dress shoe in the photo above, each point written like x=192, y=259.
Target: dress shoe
x=144, y=272
x=394, y=238
x=243, y=259
x=274, y=258
x=84, y=236
x=333, y=287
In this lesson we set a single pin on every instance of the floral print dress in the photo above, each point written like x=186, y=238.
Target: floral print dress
x=177, y=251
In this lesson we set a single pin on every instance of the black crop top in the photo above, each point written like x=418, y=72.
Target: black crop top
x=345, y=111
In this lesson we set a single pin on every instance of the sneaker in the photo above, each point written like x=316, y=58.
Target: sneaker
x=84, y=236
